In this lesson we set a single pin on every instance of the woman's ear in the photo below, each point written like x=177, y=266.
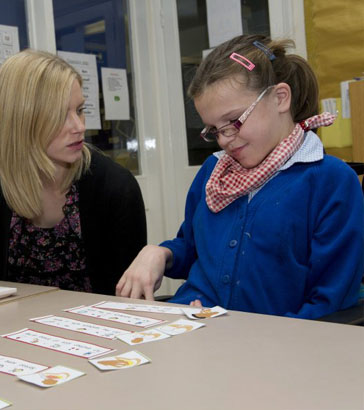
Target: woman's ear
x=283, y=95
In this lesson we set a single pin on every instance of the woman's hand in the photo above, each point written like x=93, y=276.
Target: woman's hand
x=144, y=276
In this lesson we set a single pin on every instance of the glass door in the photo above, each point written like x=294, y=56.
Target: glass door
x=100, y=28
x=13, y=28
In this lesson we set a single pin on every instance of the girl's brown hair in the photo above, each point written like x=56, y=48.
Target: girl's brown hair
x=286, y=68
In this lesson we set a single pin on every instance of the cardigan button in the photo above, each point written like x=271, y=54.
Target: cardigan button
x=233, y=243
x=226, y=279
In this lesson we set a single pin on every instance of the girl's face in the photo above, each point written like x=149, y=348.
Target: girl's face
x=269, y=122
x=66, y=147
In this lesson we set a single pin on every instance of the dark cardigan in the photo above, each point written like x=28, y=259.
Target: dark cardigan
x=113, y=222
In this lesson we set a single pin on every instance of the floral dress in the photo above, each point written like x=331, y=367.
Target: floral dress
x=50, y=256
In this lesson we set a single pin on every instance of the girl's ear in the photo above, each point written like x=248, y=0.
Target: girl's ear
x=283, y=95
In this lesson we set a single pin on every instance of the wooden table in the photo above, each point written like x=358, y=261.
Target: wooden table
x=24, y=290
x=238, y=361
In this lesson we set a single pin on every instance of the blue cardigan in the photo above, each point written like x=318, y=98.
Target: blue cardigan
x=296, y=249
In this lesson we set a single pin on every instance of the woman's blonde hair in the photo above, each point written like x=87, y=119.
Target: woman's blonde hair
x=35, y=90
x=281, y=68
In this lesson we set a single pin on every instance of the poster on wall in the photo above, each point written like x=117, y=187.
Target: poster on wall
x=116, y=94
x=9, y=42
x=86, y=65
x=223, y=20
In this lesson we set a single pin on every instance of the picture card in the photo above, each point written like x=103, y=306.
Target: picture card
x=81, y=327
x=4, y=403
x=139, y=307
x=5, y=292
x=52, y=377
x=204, y=313
x=136, y=338
x=15, y=367
x=59, y=344
x=180, y=326
x=122, y=361
x=124, y=318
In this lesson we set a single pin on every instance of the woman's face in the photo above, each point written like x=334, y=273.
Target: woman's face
x=66, y=147
x=225, y=101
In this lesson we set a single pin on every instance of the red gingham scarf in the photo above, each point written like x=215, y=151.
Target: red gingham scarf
x=229, y=180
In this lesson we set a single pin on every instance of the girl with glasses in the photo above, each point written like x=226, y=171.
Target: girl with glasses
x=272, y=224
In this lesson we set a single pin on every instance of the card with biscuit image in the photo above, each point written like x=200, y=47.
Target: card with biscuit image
x=135, y=338
x=204, y=313
x=122, y=361
x=179, y=327
x=52, y=376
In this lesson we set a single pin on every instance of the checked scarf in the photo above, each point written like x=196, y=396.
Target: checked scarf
x=229, y=180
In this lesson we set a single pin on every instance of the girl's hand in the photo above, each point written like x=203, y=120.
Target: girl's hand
x=196, y=303
x=144, y=275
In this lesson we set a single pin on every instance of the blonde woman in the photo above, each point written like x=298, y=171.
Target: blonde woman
x=69, y=216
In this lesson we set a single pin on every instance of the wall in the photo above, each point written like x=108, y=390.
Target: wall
x=335, y=41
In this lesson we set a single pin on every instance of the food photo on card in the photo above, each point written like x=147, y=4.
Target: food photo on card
x=179, y=327
x=52, y=377
x=150, y=335
x=122, y=361
x=204, y=313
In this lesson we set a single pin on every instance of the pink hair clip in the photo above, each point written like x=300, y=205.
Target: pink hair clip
x=243, y=61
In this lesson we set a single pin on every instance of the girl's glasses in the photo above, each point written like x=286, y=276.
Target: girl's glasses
x=211, y=134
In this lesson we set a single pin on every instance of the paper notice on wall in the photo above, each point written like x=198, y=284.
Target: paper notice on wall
x=329, y=105
x=9, y=42
x=345, y=99
x=86, y=65
x=223, y=20
x=116, y=94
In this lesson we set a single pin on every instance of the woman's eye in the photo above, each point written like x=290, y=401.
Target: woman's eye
x=80, y=110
